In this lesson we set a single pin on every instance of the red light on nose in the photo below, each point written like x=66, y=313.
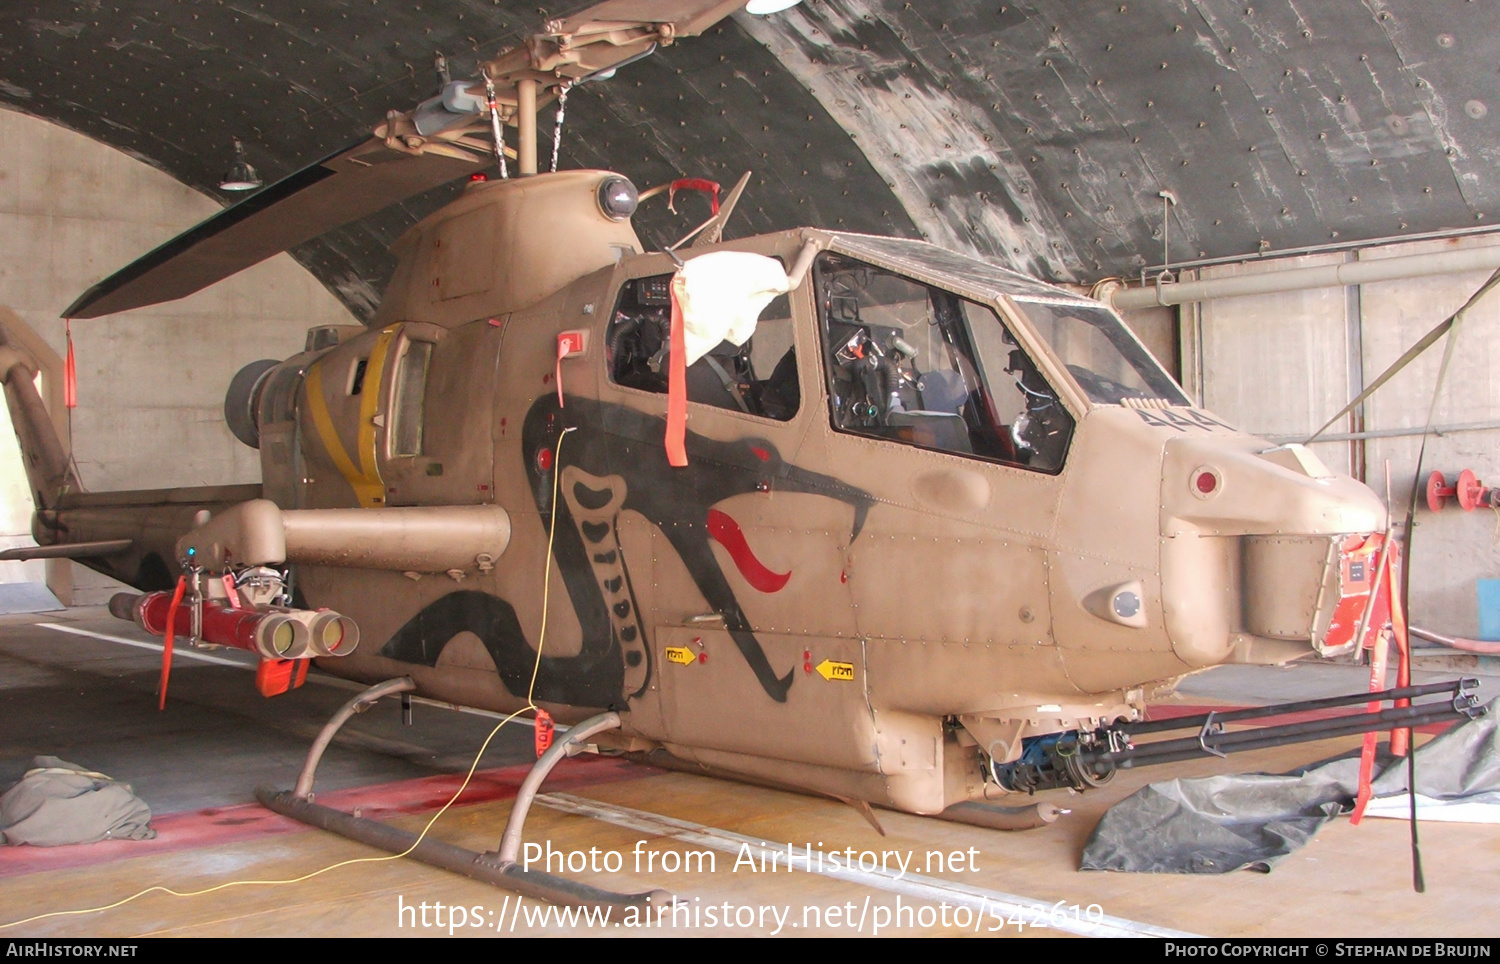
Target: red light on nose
x=544, y=459
x=1206, y=482
x=479, y=176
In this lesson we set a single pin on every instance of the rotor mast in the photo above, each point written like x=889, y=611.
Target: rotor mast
x=527, y=77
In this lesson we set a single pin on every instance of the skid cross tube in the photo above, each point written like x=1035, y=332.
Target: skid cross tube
x=361, y=702
x=510, y=843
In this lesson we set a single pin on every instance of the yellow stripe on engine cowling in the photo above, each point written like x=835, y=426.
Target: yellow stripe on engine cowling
x=368, y=486
x=368, y=406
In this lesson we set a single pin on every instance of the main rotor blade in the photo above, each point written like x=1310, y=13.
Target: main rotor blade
x=343, y=187
x=688, y=18
x=368, y=176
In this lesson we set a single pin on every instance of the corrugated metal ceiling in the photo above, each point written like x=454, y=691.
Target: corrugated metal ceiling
x=1035, y=133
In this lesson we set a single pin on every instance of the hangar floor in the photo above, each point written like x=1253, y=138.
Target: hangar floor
x=79, y=685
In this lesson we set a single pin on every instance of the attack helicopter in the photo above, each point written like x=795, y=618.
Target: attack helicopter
x=854, y=515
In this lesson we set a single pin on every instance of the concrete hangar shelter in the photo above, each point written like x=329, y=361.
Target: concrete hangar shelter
x=1278, y=198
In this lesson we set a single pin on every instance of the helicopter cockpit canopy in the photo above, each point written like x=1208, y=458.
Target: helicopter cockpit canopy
x=920, y=346
x=916, y=352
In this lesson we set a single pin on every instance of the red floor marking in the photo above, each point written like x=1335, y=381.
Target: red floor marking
x=194, y=829
x=1173, y=711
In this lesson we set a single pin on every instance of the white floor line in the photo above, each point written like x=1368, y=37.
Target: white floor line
x=333, y=681
x=183, y=652
x=978, y=899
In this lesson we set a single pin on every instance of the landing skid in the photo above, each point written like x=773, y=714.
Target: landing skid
x=499, y=867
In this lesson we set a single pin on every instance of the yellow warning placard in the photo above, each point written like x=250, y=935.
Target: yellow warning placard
x=830, y=670
x=684, y=656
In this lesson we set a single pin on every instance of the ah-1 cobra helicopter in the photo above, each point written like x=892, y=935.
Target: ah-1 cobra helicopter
x=902, y=526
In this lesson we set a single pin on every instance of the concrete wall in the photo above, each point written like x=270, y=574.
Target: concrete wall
x=150, y=382
x=1277, y=364
x=1282, y=364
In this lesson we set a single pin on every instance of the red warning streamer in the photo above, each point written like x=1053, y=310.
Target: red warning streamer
x=1387, y=580
x=676, y=441
x=166, y=650
x=545, y=729
x=70, y=370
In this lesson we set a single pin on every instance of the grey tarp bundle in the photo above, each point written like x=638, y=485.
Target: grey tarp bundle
x=1214, y=825
x=62, y=803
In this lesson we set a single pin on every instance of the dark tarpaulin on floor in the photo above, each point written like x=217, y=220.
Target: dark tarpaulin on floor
x=1213, y=825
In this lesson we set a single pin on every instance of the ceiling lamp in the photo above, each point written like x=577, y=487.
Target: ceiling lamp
x=763, y=8
x=240, y=176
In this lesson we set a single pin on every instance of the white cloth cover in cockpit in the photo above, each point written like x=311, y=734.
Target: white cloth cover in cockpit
x=722, y=295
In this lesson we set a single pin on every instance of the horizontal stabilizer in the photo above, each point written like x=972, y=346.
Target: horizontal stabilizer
x=342, y=187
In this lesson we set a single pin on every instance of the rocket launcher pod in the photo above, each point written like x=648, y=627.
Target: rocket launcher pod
x=272, y=633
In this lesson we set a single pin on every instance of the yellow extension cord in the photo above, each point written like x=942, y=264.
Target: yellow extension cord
x=530, y=705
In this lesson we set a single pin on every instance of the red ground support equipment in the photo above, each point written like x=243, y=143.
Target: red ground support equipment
x=1470, y=492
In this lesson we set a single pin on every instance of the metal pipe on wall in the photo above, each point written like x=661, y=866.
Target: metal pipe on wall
x=1299, y=279
x=1439, y=431
x=1277, y=254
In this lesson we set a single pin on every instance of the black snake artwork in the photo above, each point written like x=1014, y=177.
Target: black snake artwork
x=614, y=461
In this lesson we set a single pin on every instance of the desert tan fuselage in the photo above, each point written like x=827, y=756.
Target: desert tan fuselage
x=802, y=603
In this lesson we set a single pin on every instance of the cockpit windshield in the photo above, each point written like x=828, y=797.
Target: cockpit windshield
x=914, y=363
x=1106, y=361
